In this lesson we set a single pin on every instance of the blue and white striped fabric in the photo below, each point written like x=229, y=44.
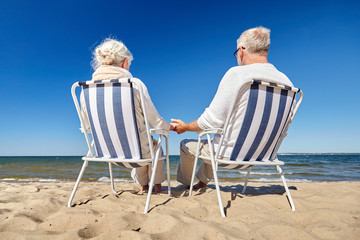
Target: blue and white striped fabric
x=111, y=113
x=233, y=166
x=267, y=113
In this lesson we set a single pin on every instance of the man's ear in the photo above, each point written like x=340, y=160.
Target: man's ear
x=241, y=53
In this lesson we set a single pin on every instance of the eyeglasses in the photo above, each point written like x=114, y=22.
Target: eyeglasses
x=235, y=53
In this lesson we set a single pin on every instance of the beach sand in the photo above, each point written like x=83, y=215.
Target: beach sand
x=37, y=210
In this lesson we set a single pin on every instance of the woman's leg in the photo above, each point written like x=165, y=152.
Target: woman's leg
x=140, y=176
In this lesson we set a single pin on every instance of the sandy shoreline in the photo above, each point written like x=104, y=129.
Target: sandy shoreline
x=37, y=210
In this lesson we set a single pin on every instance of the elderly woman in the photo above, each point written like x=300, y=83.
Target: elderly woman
x=112, y=60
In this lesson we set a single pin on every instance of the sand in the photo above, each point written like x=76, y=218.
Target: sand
x=37, y=210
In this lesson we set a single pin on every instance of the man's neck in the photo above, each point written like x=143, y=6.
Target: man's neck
x=255, y=59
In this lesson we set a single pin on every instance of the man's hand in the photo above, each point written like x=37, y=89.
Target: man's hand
x=180, y=126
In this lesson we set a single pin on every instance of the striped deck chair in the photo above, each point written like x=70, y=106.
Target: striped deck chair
x=269, y=112
x=113, y=129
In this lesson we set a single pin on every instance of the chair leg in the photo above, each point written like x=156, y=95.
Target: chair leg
x=194, y=167
x=168, y=166
x=286, y=188
x=221, y=206
x=77, y=182
x=246, y=180
x=112, y=179
x=151, y=184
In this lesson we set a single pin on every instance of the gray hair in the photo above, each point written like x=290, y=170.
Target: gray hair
x=255, y=40
x=110, y=52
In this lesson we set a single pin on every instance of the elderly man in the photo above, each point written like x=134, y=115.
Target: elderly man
x=251, y=55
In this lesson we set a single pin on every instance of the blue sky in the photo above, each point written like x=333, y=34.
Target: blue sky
x=181, y=50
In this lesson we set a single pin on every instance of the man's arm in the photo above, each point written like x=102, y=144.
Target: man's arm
x=181, y=127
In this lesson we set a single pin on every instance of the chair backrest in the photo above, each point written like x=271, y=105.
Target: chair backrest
x=111, y=113
x=269, y=112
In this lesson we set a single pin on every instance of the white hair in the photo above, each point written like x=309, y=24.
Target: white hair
x=110, y=52
x=255, y=40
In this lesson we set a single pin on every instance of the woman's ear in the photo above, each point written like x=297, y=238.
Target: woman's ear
x=125, y=64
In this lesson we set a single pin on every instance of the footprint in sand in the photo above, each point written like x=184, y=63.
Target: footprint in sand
x=89, y=231
x=4, y=210
x=33, y=218
x=19, y=222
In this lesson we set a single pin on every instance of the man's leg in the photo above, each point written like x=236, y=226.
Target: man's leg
x=186, y=163
x=204, y=174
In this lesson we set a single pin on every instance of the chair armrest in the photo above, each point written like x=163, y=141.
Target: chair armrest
x=210, y=131
x=160, y=132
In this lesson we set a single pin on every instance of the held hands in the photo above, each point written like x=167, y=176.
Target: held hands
x=178, y=126
x=172, y=127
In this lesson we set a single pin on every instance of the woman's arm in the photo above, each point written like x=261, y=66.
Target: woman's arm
x=154, y=118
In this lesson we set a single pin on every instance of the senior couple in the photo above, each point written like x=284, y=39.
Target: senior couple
x=112, y=60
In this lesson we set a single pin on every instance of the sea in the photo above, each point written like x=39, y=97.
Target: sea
x=322, y=167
